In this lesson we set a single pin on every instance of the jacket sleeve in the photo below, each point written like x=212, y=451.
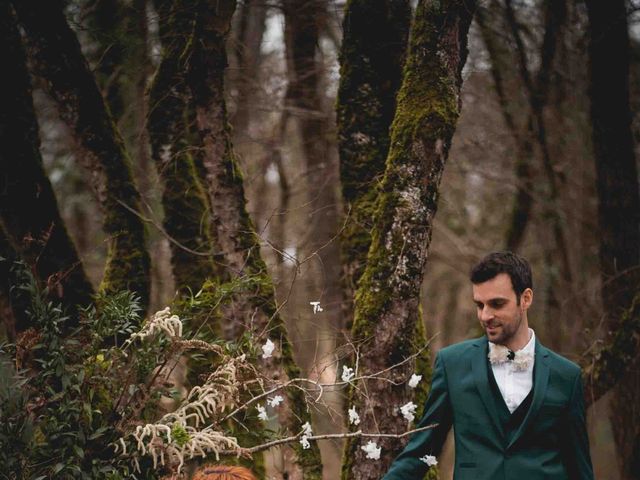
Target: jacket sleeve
x=407, y=465
x=575, y=445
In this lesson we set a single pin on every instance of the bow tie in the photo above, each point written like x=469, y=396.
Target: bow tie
x=499, y=354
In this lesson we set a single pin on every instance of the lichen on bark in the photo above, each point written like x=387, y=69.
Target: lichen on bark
x=371, y=61
x=387, y=299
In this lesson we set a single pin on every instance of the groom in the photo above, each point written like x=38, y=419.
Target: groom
x=516, y=407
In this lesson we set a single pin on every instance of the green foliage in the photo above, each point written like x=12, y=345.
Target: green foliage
x=59, y=415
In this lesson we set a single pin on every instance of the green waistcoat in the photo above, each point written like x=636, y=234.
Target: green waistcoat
x=549, y=443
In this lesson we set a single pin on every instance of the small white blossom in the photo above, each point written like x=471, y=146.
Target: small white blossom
x=414, y=380
x=268, y=348
x=354, y=418
x=304, y=441
x=275, y=401
x=430, y=460
x=372, y=449
x=306, y=429
x=347, y=373
x=262, y=413
x=316, y=307
x=408, y=411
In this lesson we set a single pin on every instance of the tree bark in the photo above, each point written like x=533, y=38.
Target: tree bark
x=619, y=205
x=236, y=234
x=186, y=212
x=371, y=60
x=58, y=59
x=387, y=299
x=28, y=207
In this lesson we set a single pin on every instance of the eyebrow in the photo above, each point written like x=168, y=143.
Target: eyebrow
x=494, y=299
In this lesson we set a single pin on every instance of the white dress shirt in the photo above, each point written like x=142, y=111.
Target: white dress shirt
x=515, y=384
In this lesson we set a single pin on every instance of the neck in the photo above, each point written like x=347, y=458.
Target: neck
x=520, y=339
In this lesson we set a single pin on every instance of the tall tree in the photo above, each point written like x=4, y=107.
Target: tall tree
x=186, y=211
x=619, y=204
x=57, y=58
x=371, y=60
x=236, y=234
x=387, y=300
x=28, y=207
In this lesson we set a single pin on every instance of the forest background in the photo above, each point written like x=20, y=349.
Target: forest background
x=177, y=149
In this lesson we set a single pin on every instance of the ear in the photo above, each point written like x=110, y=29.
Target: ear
x=526, y=299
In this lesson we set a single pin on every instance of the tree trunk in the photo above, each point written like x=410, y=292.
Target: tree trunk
x=619, y=205
x=253, y=14
x=58, y=59
x=371, y=61
x=186, y=213
x=387, y=300
x=236, y=234
x=28, y=207
x=304, y=101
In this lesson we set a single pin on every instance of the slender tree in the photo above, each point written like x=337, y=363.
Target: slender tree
x=57, y=58
x=236, y=234
x=371, y=61
x=387, y=300
x=304, y=100
x=618, y=207
x=28, y=207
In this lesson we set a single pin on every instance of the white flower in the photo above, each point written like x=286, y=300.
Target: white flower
x=304, y=441
x=268, y=348
x=275, y=401
x=408, y=411
x=262, y=413
x=354, y=418
x=316, y=307
x=414, y=380
x=347, y=373
x=372, y=449
x=430, y=460
x=306, y=430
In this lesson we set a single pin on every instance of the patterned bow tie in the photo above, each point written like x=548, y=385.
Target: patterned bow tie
x=499, y=354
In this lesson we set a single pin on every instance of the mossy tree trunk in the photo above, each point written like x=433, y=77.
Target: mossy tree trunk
x=371, y=60
x=28, y=207
x=235, y=230
x=618, y=207
x=387, y=300
x=186, y=212
x=57, y=58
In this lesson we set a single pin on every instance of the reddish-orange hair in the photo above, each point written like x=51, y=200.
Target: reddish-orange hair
x=223, y=472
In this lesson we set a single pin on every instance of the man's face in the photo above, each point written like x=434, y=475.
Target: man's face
x=497, y=307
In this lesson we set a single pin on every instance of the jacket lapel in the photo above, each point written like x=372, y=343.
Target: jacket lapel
x=541, y=379
x=481, y=377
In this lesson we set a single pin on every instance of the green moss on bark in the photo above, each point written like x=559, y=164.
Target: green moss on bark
x=387, y=317
x=186, y=210
x=371, y=61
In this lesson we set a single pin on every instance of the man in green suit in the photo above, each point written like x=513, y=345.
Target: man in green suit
x=516, y=407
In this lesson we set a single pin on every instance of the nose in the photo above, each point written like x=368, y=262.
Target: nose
x=485, y=314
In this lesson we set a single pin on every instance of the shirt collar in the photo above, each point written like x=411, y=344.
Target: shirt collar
x=530, y=347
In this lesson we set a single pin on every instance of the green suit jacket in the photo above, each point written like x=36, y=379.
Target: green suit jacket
x=551, y=443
